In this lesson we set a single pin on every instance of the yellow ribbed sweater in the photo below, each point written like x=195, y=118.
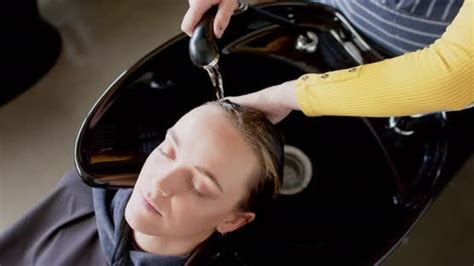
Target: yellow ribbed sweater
x=437, y=78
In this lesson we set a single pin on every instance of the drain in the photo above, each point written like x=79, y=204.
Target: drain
x=297, y=171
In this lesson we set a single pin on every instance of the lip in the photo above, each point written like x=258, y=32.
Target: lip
x=148, y=205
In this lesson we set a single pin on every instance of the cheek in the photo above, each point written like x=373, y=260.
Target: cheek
x=151, y=168
x=197, y=212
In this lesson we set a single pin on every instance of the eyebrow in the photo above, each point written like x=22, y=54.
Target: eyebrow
x=201, y=169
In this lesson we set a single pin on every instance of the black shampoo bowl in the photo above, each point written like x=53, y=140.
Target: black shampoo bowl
x=371, y=179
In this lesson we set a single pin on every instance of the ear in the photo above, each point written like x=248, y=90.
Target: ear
x=235, y=222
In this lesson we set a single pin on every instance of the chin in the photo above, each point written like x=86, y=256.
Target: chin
x=133, y=217
x=138, y=222
x=130, y=217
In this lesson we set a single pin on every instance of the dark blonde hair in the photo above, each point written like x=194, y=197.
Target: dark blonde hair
x=267, y=144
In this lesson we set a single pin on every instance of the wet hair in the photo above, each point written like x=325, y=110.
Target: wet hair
x=267, y=144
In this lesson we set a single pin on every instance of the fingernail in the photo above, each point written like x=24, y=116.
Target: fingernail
x=219, y=33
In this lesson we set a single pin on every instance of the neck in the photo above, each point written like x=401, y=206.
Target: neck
x=166, y=246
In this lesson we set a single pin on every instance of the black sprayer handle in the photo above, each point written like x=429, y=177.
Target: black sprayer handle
x=202, y=45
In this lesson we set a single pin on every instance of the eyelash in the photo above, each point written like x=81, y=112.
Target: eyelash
x=165, y=154
x=190, y=181
x=194, y=190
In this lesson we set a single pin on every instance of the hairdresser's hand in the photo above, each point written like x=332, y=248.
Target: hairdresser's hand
x=198, y=7
x=276, y=101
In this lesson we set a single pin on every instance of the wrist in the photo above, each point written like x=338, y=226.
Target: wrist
x=287, y=95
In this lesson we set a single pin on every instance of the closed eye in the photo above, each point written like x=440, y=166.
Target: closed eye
x=167, y=155
x=193, y=188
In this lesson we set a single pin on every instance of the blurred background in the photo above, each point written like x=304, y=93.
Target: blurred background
x=102, y=38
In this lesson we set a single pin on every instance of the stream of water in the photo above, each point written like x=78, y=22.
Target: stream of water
x=216, y=79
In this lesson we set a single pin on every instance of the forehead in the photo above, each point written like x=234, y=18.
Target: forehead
x=208, y=115
x=209, y=138
x=211, y=126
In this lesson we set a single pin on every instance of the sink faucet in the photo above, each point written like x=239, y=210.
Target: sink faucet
x=202, y=45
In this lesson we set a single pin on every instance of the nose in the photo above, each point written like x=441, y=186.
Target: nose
x=171, y=182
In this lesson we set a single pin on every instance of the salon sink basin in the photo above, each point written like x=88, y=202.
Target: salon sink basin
x=370, y=179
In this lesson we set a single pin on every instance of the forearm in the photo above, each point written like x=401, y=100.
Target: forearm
x=433, y=79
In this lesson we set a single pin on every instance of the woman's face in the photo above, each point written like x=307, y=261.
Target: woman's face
x=191, y=183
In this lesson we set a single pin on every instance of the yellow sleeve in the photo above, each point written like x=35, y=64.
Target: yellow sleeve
x=437, y=78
